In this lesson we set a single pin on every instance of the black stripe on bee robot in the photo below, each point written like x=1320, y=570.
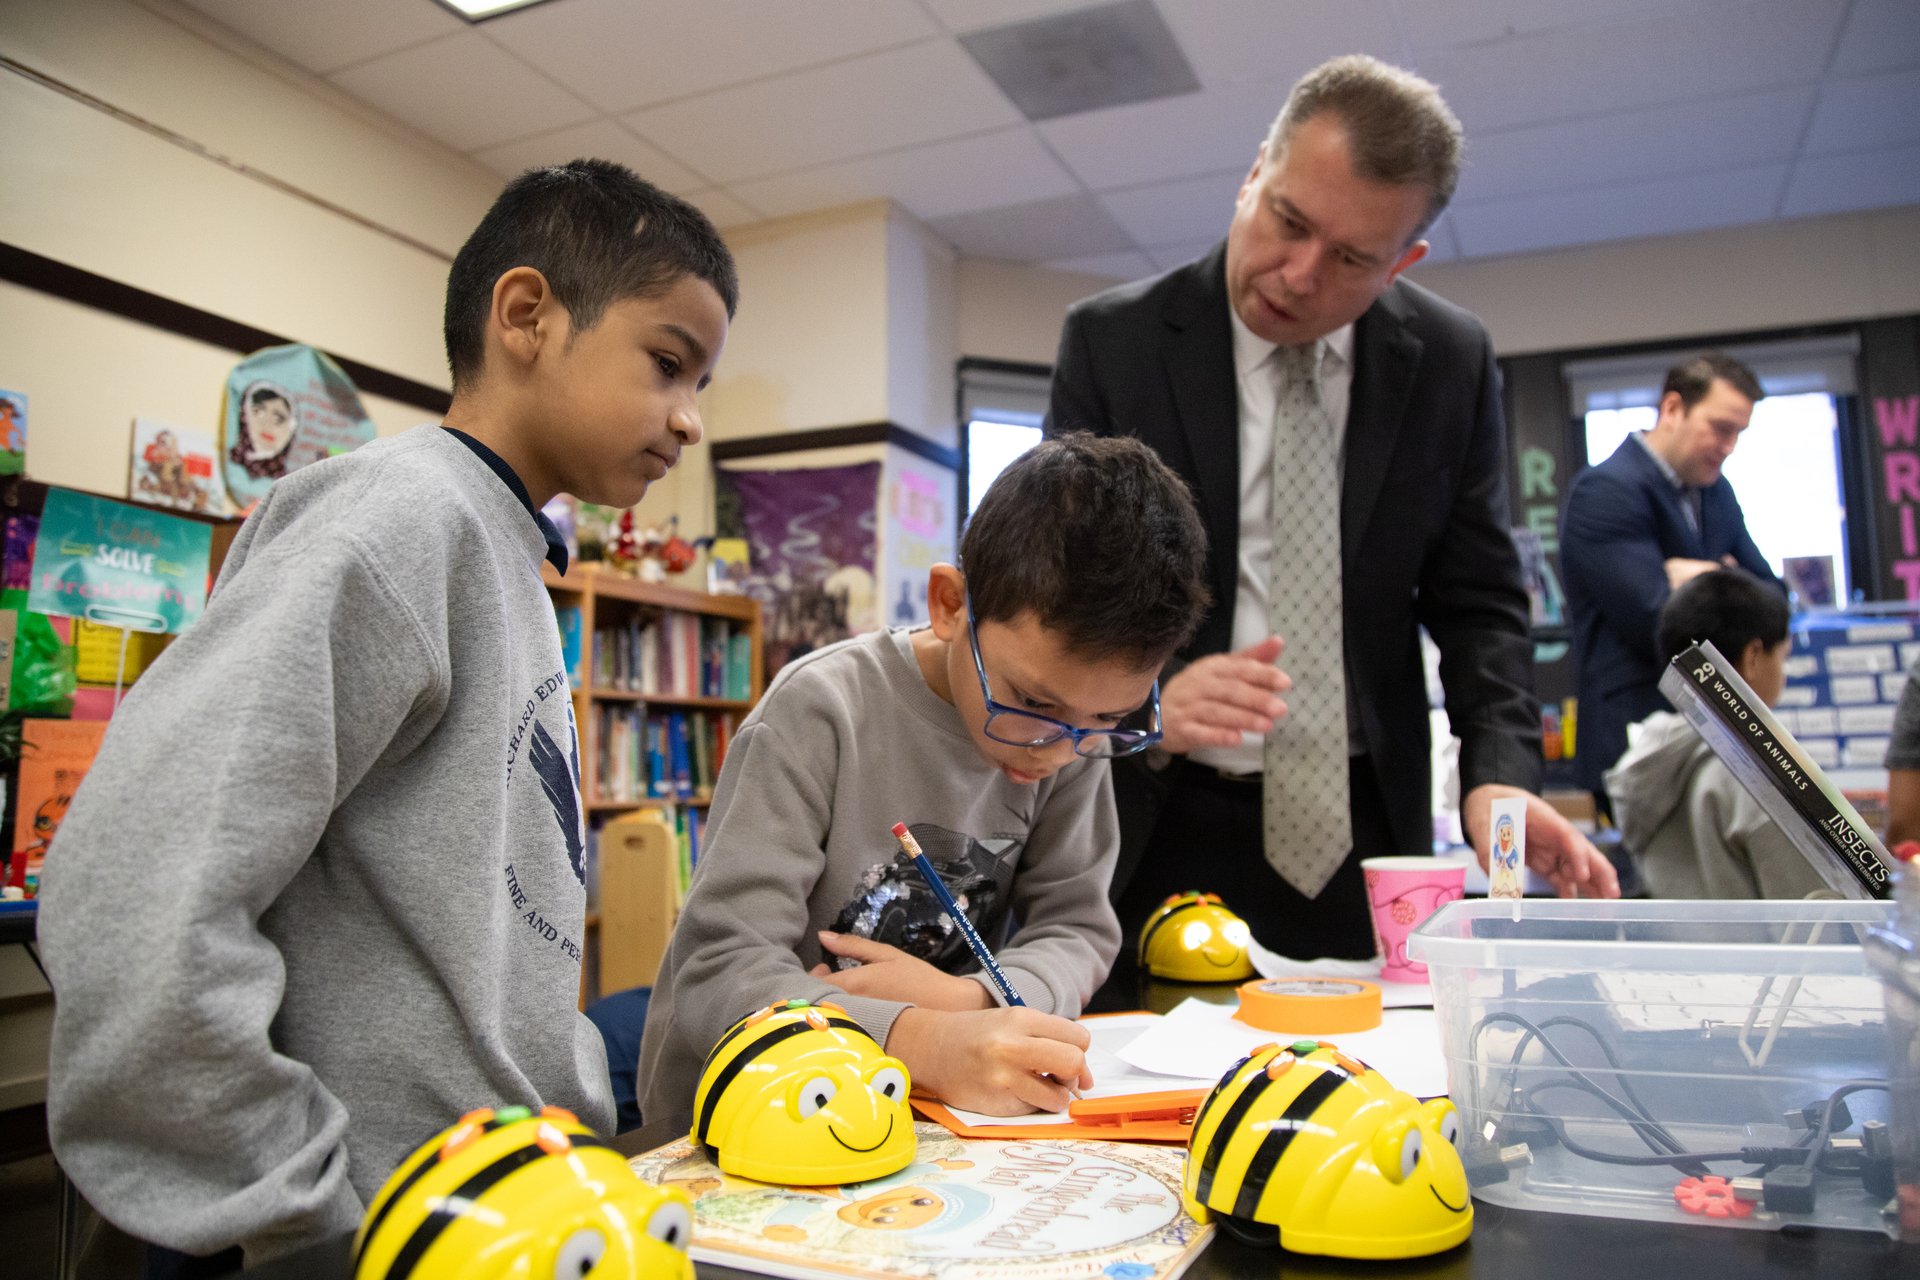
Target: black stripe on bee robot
x=399, y=1192
x=1278, y=1136
x=758, y=1047
x=454, y=1206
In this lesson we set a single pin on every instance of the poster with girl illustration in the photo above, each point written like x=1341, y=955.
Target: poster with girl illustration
x=286, y=407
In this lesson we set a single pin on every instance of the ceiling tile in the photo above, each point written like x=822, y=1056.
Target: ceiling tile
x=620, y=55
x=1619, y=212
x=1650, y=142
x=1880, y=35
x=1042, y=231
x=933, y=181
x=972, y=15
x=1168, y=256
x=601, y=140
x=1176, y=211
x=1562, y=75
x=1866, y=114
x=1864, y=180
x=326, y=37
x=864, y=105
x=1203, y=132
x=1230, y=41
x=1440, y=26
x=723, y=209
x=1087, y=60
x=1125, y=265
x=464, y=91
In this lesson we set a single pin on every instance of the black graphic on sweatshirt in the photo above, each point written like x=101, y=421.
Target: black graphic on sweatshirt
x=892, y=904
x=557, y=779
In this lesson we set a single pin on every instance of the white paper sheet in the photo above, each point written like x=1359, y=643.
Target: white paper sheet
x=1207, y=1038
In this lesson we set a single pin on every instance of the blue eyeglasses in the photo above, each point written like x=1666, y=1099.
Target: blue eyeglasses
x=1018, y=728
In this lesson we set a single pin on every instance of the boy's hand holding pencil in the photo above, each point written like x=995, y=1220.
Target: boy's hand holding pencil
x=1001, y=1062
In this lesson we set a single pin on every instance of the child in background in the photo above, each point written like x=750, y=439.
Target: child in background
x=1693, y=828
x=1081, y=573
x=322, y=892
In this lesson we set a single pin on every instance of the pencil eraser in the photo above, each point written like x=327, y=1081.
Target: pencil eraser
x=899, y=828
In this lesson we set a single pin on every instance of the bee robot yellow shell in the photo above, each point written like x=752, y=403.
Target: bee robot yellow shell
x=799, y=1093
x=1192, y=937
x=1303, y=1146
x=515, y=1193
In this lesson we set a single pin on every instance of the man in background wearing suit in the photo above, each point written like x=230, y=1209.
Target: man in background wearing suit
x=1342, y=433
x=1654, y=515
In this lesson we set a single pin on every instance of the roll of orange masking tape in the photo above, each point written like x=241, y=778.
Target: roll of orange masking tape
x=1310, y=1006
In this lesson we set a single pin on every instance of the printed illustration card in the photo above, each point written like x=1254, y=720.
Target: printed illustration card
x=173, y=467
x=54, y=756
x=963, y=1210
x=13, y=433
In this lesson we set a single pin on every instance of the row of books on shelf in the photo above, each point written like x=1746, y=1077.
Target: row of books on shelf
x=658, y=755
x=669, y=654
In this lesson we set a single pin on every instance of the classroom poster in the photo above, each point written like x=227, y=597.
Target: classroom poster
x=119, y=565
x=54, y=756
x=812, y=546
x=917, y=534
x=13, y=433
x=173, y=467
x=286, y=407
x=965, y=1209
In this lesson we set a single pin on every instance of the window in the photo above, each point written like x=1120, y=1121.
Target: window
x=1786, y=472
x=1001, y=406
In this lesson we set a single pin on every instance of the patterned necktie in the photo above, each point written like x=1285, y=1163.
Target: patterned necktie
x=1308, y=830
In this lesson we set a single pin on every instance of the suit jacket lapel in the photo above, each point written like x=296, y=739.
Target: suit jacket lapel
x=1385, y=359
x=1199, y=368
x=1693, y=540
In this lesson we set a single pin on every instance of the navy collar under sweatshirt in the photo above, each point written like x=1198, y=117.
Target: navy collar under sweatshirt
x=556, y=545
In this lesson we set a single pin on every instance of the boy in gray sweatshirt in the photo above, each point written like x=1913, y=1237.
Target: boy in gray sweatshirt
x=987, y=733
x=1694, y=829
x=323, y=890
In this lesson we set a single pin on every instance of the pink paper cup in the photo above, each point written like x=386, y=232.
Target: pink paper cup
x=1402, y=892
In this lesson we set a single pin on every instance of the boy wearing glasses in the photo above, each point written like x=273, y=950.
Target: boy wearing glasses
x=986, y=733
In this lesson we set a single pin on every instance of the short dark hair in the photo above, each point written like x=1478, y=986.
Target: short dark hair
x=1730, y=607
x=1692, y=379
x=1099, y=540
x=598, y=232
x=1400, y=131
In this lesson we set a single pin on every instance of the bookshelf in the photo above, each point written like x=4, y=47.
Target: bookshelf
x=661, y=678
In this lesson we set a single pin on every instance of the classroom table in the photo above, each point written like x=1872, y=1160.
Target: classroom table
x=1507, y=1244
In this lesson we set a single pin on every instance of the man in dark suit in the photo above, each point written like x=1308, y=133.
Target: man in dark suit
x=1358, y=164
x=1654, y=515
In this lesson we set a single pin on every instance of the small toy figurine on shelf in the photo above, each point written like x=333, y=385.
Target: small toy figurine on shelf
x=623, y=549
x=650, y=554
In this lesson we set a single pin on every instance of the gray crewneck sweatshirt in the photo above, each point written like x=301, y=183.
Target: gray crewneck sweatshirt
x=847, y=741
x=322, y=891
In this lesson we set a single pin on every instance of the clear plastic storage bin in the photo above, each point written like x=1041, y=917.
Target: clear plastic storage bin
x=1668, y=1061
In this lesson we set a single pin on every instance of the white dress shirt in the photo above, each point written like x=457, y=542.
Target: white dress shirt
x=1256, y=376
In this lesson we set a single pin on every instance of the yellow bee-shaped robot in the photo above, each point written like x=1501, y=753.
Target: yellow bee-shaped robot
x=1303, y=1146
x=799, y=1093
x=1192, y=937
x=522, y=1194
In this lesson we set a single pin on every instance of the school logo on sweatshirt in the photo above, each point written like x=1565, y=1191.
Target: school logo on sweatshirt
x=892, y=904
x=560, y=780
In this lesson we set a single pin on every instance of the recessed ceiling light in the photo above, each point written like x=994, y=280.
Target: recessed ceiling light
x=481, y=10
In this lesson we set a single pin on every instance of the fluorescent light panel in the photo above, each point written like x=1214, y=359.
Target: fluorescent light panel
x=481, y=10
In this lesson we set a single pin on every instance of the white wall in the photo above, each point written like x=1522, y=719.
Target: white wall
x=147, y=148
x=1845, y=267
x=1011, y=312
